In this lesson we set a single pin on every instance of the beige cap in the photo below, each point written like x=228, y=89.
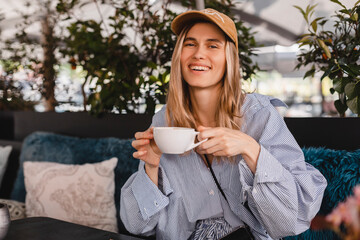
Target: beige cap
x=221, y=20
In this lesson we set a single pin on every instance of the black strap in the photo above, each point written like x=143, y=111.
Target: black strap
x=242, y=233
x=213, y=175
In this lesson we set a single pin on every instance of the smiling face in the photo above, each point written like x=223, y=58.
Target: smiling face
x=202, y=59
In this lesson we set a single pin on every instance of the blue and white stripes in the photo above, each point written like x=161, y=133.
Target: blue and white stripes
x=211, y=229
x=280, y=199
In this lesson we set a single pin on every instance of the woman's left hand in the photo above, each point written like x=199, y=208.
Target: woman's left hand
x=226, y=142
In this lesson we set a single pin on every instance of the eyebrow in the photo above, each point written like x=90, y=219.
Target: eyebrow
x=207, y=40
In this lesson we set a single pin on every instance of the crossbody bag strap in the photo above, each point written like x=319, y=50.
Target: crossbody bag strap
x=240, y=233
x=214, y=177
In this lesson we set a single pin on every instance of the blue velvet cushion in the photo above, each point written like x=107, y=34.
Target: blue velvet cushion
x=342, y=171
x=50, y=147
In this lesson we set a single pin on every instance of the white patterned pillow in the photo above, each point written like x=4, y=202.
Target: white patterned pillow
x=82, y=194
x=16, y=208
x=4, y=155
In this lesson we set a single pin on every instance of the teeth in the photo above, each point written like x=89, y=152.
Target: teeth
x=199, y=68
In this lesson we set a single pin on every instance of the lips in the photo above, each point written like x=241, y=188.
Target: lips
x=199, y=67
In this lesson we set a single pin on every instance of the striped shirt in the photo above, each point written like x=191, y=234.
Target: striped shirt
x=279, y=200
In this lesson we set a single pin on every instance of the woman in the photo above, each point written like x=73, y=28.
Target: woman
x=264, y=182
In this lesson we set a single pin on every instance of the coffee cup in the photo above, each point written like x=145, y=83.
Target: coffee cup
x=175, y=140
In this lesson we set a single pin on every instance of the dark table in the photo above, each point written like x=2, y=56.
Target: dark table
x=38, y=228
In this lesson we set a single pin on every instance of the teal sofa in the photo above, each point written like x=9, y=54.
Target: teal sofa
x=332, y=145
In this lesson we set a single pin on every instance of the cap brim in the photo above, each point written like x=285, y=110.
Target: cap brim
x=187, y=18
x=222, y=21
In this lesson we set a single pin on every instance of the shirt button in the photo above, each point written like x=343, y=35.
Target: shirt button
x=211, y=192
x=156, y=203
x=265, y=174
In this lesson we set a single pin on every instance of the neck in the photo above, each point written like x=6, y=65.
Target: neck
x=204, y=103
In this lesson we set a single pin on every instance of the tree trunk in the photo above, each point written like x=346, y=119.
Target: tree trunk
x=49, y=76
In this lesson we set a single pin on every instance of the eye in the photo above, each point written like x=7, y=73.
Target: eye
x=213, y=46
x=189, y=44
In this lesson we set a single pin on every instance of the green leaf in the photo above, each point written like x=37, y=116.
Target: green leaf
x=322, y=23
x=151, y=64
x=309, y=73
x=335, y=73
x=358, y=2
x=350, y=71
x=337, y=1
x=165, y=77
x=355, y=68
x=355, y=17
x=354, y=105
x=325, y=48
x=344, y=11
x=350, y=90
x=326, y=73
x=314, y=25
x=309, y=9
x=153, y=79
x=305, y=38
x=337, y=85
x=341, y=108
x=302, y=12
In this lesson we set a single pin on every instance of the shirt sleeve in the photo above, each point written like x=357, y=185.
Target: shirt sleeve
x=285, y=192
x=142, y=201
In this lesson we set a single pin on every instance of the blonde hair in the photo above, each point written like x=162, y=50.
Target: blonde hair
x=179, y=109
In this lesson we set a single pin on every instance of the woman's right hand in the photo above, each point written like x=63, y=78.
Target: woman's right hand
x=147, y=149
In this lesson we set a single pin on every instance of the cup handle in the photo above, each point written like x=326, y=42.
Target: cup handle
x=194, y=145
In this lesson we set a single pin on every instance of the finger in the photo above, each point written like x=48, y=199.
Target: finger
x=212, y=150
x=201, y=135
x=147, y=134
x=151, y=130
x=140, y=143
x=139, y=154
x=202, y=128
x=206, y=132
x=209, y=144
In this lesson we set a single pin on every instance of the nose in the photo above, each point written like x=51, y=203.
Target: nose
x=199, y=52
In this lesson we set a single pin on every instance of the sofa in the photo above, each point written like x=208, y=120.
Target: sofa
x=69, y=138
x=330, y=144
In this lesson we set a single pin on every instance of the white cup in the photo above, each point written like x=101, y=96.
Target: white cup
x=175, y=140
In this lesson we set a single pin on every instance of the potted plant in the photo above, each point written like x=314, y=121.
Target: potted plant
x=36, y=53
x=124, y=70
x=335, y=53
x=125, y=55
